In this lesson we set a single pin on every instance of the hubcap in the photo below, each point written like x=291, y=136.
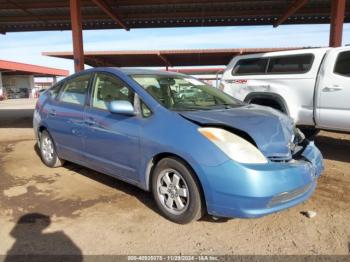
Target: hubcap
x=173, y=191
x=47, y=149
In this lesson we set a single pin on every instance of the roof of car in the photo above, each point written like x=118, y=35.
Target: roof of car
x=138, y=71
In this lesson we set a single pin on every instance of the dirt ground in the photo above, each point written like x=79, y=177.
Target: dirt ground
x=84, y=212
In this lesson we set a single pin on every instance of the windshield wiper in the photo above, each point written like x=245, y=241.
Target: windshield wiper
x=228, y=105
x=190, y=108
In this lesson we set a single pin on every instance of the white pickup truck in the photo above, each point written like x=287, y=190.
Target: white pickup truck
x=310, y=85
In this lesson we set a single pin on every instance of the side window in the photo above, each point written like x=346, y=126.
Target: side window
x=74, y=91
x=250, y=66
x=291, y=64
x=54, y=90
x=342, y=65
x=108, y=88
x=145, y=111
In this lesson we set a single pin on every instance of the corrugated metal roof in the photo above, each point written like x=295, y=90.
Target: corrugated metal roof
x=30, y=15
x=155, y=58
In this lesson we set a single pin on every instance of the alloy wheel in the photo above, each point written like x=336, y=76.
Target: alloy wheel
x=47, y=149
x=173, y=191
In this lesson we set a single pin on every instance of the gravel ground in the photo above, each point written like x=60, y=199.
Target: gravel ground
x=80, y=211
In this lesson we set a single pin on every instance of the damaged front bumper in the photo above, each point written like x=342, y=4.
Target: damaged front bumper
x=254, y=190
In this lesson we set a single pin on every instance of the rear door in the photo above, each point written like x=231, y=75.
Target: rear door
x=333, y=91
x=65, y=118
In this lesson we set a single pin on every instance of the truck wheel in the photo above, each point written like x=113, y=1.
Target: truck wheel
x=309, y=132
x=176, y=191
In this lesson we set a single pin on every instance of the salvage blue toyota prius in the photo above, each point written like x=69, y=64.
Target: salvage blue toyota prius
x=195, y=148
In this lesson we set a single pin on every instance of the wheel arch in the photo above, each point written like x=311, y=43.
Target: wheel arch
x=152, y=163
x=38, y=132
x=42, y=128
x=276, y=98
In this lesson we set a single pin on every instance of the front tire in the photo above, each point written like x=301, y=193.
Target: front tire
x=48, y=151
x=176, y=191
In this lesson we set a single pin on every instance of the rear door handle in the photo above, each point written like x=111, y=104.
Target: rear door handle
x=90, y=122
x=331, y=89
x=52, y=112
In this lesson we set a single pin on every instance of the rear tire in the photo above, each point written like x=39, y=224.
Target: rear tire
x=176, y=191
x=48, y=151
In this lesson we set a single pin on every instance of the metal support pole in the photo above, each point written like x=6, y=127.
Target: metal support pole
x=337, y=21
x=217, y=79
x=2, y=95
x=292, y=9
x=77, y=35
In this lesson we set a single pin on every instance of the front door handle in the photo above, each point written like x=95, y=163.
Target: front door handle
x=331, y=89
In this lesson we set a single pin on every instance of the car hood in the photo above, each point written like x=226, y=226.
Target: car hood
x=272, y=131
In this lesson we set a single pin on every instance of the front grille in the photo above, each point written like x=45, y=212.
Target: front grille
x=287, y=196
x=279, y=159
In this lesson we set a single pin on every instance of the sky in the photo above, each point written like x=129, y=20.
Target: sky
x=27, y=47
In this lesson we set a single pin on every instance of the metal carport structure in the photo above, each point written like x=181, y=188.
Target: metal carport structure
x=14, y=75
x=16, y=68
x=166, y=58
x=35, y=15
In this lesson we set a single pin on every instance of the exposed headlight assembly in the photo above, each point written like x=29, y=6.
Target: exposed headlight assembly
x=235, y=147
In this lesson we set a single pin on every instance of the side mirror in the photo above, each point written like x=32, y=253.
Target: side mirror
x=123, y=107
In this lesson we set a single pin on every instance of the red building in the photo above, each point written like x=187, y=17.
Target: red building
x=17, y=79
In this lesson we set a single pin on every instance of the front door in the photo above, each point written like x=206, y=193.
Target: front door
x=112, y=140
x=333, y=91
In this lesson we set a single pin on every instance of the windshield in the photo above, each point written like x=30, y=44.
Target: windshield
x=182, y=93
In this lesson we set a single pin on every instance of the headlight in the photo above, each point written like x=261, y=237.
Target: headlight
x=233, y=146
